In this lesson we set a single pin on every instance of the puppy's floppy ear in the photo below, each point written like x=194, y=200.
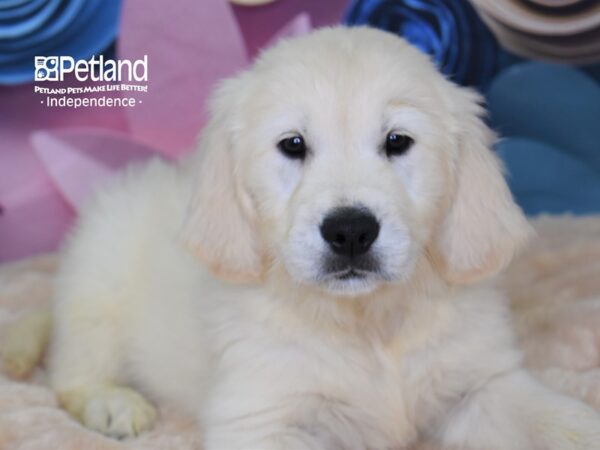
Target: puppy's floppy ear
x=220, y=224
x=483, y=227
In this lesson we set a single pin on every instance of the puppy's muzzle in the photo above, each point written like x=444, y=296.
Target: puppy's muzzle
x=350, y=231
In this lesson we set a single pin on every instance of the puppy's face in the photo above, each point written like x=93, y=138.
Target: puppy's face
x=347, y=165
x=342, y=151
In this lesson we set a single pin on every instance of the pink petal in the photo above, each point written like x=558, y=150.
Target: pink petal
x=259, y=24
x=78, y=160
x=298, y=26
x=34, y=216
x=190, y=45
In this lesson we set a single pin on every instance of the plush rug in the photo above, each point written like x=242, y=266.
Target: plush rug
x=554, y=289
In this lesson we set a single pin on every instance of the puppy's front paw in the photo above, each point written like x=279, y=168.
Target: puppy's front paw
x=114, y=411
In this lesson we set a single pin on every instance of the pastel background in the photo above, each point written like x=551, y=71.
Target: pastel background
x=534, y=60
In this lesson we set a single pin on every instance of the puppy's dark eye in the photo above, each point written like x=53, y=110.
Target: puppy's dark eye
x=397, y=144
x=293, y=147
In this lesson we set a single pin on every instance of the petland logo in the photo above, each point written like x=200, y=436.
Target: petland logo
x=99, y=82
x=54, y=68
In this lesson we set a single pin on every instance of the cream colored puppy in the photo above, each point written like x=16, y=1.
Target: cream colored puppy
x=313, y=277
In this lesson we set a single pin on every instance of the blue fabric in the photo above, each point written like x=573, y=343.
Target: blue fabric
x=547, y=179
x=62, y=20
x=14, y=27
x=550, y=118
x=77, y=28
x=448, y=30
x=7, y=4
x=23, y=10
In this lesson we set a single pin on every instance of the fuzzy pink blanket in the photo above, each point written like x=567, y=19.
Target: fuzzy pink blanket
x=554, y=289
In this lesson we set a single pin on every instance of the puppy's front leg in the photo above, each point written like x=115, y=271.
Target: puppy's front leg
x=515, y=412
x=296, y=421
x=265, y=432
x=275, y=439
x=260, y=430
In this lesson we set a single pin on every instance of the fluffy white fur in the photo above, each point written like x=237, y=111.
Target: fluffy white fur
x=201, y=284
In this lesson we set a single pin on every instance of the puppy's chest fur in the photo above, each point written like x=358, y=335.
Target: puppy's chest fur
x=382, y=382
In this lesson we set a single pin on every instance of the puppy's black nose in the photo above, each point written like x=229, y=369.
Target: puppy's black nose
x=350, y=231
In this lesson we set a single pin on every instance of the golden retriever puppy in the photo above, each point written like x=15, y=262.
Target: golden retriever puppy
x=314, y=277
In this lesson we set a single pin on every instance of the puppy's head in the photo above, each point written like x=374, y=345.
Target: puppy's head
x=344, y=157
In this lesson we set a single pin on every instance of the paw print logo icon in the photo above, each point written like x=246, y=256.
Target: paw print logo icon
x=46, y=68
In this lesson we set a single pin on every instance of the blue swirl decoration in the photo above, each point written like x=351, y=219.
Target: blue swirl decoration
x=29, y=28
x=448, y=30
